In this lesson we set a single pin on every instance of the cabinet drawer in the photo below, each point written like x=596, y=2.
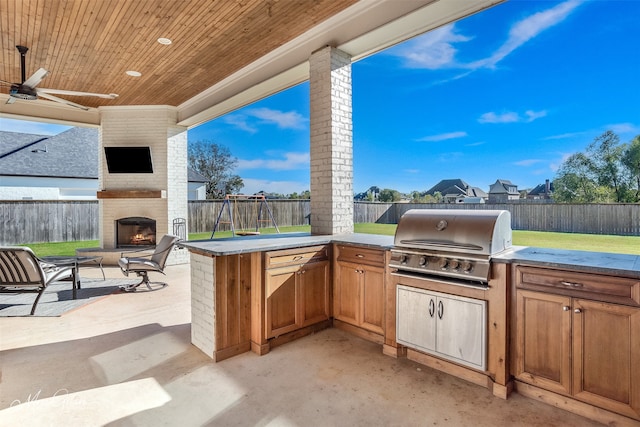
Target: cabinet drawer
x=295, y=256
x=359, y=255
x=586, y=285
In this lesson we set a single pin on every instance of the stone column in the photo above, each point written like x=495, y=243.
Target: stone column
x=331, y=142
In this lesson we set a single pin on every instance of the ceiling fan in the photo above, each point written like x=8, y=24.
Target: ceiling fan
x=27, y=89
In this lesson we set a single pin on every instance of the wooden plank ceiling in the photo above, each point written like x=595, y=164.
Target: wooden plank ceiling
x=87, y=45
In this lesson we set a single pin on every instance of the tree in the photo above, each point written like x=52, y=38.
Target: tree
x=215, y=163
x=605, y=172
x=605, y=153
x=388, y=195
x=631, y=160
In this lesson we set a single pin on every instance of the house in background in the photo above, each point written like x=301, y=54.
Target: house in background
x=59, y=167
x=456, y=191
x=503, y=191
x=541, y=192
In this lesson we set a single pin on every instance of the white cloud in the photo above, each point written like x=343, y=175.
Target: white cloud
x=252, y=186
x=624, y=128
x=564, y=135
x=534, y=115
x=443, y=136
x=291, y=161
x=492, y=117
x=526, y=29
x=527, y=162
x=283, y=119
x=436, y=49
x=511, y=117
x=475, y=144
x=433, y=50
x=239, y=121
x=36, y=128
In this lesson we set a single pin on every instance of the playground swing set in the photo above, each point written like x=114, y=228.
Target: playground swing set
x=245, y=214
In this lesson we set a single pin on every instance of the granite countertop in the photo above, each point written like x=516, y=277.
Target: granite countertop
x=592, y=262
x=271, y=242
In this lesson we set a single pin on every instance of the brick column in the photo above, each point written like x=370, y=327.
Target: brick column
x=331, y=142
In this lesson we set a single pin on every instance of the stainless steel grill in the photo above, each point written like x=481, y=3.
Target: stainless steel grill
x=450, y=243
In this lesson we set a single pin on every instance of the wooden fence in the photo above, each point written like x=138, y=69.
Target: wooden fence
x=31, y=221
x=59, y=221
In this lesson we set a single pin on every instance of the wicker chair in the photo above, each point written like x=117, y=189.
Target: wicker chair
x=143, y=264
x=21, y=271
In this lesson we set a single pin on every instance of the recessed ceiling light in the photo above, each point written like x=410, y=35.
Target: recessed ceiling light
x=133, y=73
x=164, y=40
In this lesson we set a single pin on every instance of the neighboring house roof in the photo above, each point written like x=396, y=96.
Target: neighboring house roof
x=448, y=187
x=193, y=176
x=503, y=186
x=541, y=190
x=476, y=192
x=455, y=188
x=70, y=154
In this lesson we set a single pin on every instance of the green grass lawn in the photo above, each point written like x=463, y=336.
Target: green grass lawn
x=584, y=242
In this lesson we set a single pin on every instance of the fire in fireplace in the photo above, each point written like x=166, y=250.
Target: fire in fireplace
x=135, y=231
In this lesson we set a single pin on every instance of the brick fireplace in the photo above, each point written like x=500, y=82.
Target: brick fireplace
x=155, y=195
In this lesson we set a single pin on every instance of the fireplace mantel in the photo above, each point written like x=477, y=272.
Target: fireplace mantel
x=132, y=194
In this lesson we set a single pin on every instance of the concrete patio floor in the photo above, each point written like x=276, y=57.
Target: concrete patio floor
x=126, y=360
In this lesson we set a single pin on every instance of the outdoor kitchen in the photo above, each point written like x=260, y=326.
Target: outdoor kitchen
x=448, y=291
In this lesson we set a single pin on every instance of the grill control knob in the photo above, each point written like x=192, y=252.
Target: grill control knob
x=443, y=262
x=466, y=266
x=454, y=263
x=423, y=261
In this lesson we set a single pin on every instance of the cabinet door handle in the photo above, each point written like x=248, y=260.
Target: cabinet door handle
x=577, y=310
x=566, y=308
x=440, y=309
x=297, y=257
x=359, y=255
x=432, y=307
x=572, y=284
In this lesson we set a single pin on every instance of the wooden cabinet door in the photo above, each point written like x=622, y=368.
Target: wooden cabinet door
x=314, y=293
x=281, y=294
x=461, y=330
x=372, y=299
x=606, y=356
x=543, y=346
x=346, y=294
x=416, y=318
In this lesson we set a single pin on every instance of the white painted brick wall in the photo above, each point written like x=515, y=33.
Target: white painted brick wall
x=203, y=332
x=331, y=142
x=153, y=126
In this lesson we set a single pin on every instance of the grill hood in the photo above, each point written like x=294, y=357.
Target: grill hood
x=480, y=232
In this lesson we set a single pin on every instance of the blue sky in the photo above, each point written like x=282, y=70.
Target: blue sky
x=508, y=93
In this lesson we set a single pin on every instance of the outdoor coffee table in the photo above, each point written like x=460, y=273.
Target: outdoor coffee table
x=75, y=262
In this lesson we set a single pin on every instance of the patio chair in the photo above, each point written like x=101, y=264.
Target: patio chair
x=21, y=271
x=143, y=264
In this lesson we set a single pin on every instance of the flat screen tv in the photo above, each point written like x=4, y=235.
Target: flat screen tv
x=128, y=159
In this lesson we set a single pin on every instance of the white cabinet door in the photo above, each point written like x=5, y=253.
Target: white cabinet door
x=444, y=325
x=460, y=330
x=416, y=318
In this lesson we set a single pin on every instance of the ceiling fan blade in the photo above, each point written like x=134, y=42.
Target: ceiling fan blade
x=76, y=93
x=36, y=78
x=62, y=101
